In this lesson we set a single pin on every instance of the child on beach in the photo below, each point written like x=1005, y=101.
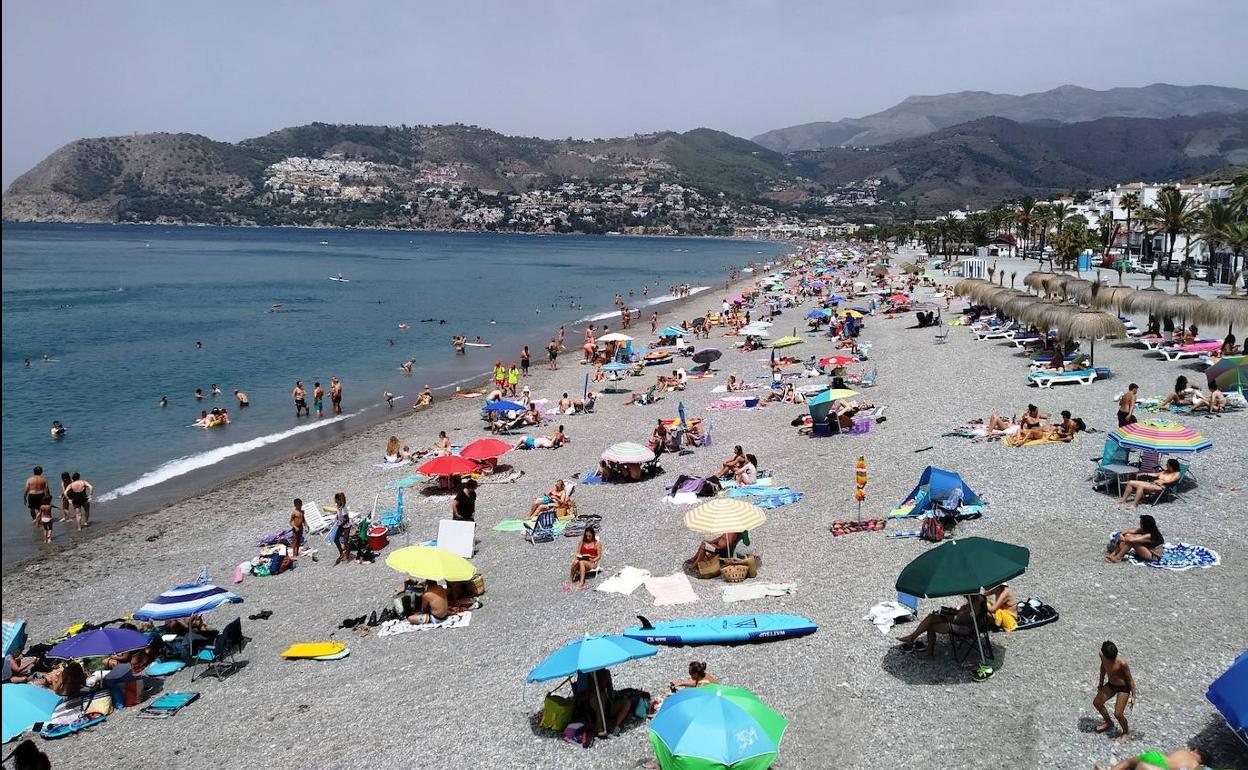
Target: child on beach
x=45, y=519
x=342, y=529
x=1114, y=681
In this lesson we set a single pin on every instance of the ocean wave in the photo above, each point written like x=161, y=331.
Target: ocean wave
x=647, y=303
x=184, y=465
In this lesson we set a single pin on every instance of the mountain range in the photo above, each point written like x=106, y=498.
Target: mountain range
x=921, y=115
x=471, y=177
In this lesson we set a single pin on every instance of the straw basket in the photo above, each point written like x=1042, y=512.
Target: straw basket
x=709, y=568
x=735, y=573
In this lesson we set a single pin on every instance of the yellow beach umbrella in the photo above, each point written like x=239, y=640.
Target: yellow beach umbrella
x=430, y=563
x=727, y=514
x=851, y=313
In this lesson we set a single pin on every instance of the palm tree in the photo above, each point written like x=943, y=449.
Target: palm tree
x=1150, y=222
x=1176, y=218
x=1129, y=203
x=1025, y=206
x=1060, y=212
x=1214, y=221
x=1042, y=216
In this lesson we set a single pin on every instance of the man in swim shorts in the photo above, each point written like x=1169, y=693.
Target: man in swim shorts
x=335, y=394
x=318, y=399
x=552, y=350
x=34, y=493
x=299, y=396
x=1115, y=682
x=243, y=401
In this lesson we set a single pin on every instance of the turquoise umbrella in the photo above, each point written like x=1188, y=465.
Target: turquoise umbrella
x=715, y=727
x=590, y=654
x=25, y=705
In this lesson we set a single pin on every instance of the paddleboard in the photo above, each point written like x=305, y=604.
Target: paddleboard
x=340, y=280
x=722, y=629
x=476, y=344
x=313, y=649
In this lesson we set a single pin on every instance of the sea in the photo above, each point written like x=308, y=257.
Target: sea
x=102, y=321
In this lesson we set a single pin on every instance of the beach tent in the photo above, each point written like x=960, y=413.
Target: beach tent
x=939, y=485
x=1229, y=694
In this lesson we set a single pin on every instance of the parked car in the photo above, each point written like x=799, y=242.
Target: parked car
x=1172, y=270
x=1200, y=273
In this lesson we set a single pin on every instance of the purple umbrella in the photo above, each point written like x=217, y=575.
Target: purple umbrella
x=99, y=643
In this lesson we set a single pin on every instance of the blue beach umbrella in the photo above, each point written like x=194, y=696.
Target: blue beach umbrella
x=680, y=410
x=718, y=727
x=616, y=366
x=25, y=705
x=1228, y=694
x=99, y=643
x=590, y=654
x=672, y=331
x=818, y=313
x=503, y=406
x=185, y=601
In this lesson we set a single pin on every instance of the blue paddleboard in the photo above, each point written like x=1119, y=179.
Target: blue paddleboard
x=723, y=629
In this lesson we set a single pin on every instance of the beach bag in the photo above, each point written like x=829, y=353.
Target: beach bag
x=556, y=712
x=932, y=529
x=709, y=568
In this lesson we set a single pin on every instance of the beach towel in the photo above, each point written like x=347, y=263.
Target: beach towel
x=625, y=581
x=1179, y=557
x=885, y=614
x=517, y=525
x=742, y=387
x=742, y=592
x=1015, y=439
x=759, y=488
x=722, y=406
x=401, y=626
x=391, y=466
x=593, y=478
x=783, y=496
x=683, y=498
x=841, y=528
x=673, y=589
x=408, y=481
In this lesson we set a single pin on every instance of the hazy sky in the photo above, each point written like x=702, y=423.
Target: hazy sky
x=232, y=69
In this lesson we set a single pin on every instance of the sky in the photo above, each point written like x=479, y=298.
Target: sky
x=232, y=70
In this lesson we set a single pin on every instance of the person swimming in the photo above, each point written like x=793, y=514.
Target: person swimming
x=58, y=430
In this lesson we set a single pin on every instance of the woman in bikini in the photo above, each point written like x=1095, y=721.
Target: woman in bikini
x=588, y=554
x=697, y=677
x=1145, y=541
x=79, y=493
x=1162, y=479
x=555, y=498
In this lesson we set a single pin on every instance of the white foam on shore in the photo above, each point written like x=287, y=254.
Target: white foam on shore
x=184, y=465
x=647, y=303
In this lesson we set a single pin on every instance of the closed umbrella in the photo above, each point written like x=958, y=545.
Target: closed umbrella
x=716, y=727
x=627, y=452
x=431, y=563
x=787, y=341
x=963, y=567
x=448, y=465
x=24, y=706
x=186, y=601
x=485, y=449
x=726, y=514
x=99, y=643
x=1230, y=373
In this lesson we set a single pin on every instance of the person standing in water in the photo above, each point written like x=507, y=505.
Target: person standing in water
x=33, y=493
x=164, y=401
x=524, y=361
x=335, y=394
x=299, y=395
x=318, y=399
x=243, y=401
x=79, y=493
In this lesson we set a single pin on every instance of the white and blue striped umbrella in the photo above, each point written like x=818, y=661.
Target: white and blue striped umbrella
x=185, y=601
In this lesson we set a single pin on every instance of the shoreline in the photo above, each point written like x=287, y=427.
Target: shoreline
x=150, y=500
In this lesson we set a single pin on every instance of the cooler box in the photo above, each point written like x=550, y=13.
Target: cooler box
x=377, y=539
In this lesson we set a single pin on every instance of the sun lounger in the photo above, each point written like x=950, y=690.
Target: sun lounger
x=1150, y=342
x=999, y=333
x=314, y=518
x=392, y=519
x=1195, y=350
x=168, y=705
x=1081, y=376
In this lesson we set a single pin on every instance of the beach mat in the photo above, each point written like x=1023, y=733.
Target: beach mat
x=672, y=589
x=1179, y=557
x=842, y=528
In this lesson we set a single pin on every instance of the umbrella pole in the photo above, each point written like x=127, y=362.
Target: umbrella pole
x=602, y=712
x=979, y=640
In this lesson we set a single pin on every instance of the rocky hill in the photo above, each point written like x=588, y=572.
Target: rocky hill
x=921, y=115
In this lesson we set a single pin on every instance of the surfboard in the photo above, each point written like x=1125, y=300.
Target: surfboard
x=723, y=629
x=313, y=649
x=476, y=344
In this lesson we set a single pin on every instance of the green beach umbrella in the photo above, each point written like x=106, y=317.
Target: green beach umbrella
x=714, y=727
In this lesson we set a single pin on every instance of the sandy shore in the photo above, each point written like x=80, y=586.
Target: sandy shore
x=451, y=698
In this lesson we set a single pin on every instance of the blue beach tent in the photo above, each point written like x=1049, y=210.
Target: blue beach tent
x=942, y=488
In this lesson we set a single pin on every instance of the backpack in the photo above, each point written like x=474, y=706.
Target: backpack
x=932, y=529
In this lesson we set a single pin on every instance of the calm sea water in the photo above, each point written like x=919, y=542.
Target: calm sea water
x=118, y=311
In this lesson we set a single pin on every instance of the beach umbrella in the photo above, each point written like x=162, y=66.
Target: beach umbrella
x=616, y=366
x=724, y=514
x=851, y=313
x=672, y=331
x=817, y=284
x=185, y=601
x=818, y=313
x=615, y=337
x=407, y=481
x=787, y=341
x=898, y=298
x=716, y=727
x=1229, y=309
x=1036, y=279
x=589, y=654
x=963, y=567
x=627, y=452
x=430, y=563
x=485, y=449
x=1228, y=694
x=707, y=356
x=99, y=643
x=820, y=405
x=503, y=406
x=1186, y=306
x=448, y=465
x=1147, y=300
x=1229, y=373
x=24, y=706
x=1091, y=325
x=1161, y=436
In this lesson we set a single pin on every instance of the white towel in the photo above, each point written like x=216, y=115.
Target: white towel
x=884, y=614
x=394, y=627
x=741, y=592
x=683, y=498
x=625, y=581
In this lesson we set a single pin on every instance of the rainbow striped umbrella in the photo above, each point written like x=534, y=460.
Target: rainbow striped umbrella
x=1161, y=436
x=627, y=452
x=1229, y=373
x=725, y=514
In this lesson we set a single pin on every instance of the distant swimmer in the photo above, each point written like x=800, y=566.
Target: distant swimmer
x=164, y=401
x=199, y=345
x=243, y=400
x=407, y=365
x=478, y=341
x=47, y=359
x=216, y=391
x=28, y=363
x=58, y=430
x=492, y=322
x=391, y=343
x=441, y=322
x=199, y=394
x=537, y=310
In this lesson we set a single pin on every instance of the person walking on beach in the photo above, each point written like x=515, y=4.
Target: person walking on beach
x=654, y=322
x=299, y=396
x=1126, y=405
x=1114, y=681
x=318, y=399
x=500, y=377
x=34, y=492
x=79, y=493
x=513, y=378
x=342, y=528
x=335, y=394
x=552, y=351
x=524, y=361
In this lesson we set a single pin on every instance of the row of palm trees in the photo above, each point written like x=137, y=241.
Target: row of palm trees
x=1037, y=226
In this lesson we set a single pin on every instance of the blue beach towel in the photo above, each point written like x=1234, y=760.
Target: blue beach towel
x=1178, y=557
x=784, y=497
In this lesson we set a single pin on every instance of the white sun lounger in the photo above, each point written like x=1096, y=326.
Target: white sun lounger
x=1177, y=354
x=314, y=518
x=1049, y=379
x=1000, y=333
x=1152, y=343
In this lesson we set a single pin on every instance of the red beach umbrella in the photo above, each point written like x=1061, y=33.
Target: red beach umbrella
x=448, y=465
x=899, y=298
x=485, y=449
x=834, y=361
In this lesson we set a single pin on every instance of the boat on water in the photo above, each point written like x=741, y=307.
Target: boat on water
x=324, y=243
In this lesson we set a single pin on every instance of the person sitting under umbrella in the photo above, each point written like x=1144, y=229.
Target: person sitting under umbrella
x=722, y=546
x=434, y=605
x=598, y=704
x=1161, y=480
x=947, y=621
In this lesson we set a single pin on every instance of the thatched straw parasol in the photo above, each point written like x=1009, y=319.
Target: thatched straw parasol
x=1229, y=309
x=910, y=267
x=1091, y=325
x=1035, y=279
x=1146, y=300
x=1111, y=297
x=1080, y=289
x=1046, y=315
x=1019, y=306
x=1183, y=305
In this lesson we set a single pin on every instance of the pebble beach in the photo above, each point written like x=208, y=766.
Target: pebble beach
x=456, y=697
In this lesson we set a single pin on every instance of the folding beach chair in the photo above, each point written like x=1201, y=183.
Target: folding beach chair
x=543, y=529
x=943, y=337
x=392, y=519
x=1171, y=490
x=314, y=518
x=167, y=705
x=220, y=657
